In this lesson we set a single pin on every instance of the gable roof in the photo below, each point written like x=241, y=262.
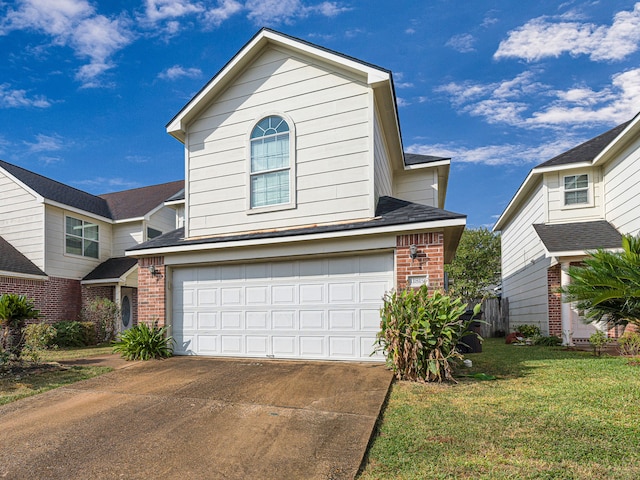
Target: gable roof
x=138, y=202
x=12, y=261
x=112, y=268
x=578, y=237
x=389, y=212
x=417, y=159
x=378, y=78
x=598, y=150
x=132, y=203
x=58, y=192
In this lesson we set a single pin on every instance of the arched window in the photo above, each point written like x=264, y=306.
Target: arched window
x=270, y=175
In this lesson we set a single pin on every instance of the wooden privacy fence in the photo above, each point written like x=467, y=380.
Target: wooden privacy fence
x=495, y=313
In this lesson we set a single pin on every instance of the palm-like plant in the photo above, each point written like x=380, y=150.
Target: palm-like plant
x=14, y=311
x=607, y=286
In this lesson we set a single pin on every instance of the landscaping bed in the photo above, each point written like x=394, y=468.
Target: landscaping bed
x=550, y=413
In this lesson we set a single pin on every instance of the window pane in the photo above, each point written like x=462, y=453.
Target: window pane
x=576, y=197
x=270, y=153
x=74, y=226
x=91, y=231
x=74, y=245
x=582, y=181
x=91, y=249
x=153, y=233
x=270, y=189
x=269, y=126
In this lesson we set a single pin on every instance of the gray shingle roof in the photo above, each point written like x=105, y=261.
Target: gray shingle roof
x=137, y=202
x=117, y=206
x=112, y=268
x=416, y=159
x=587, y=151
x=11, y=260
x=582, y=236
x=390, y=211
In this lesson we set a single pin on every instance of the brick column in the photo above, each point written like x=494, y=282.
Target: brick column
x=429, y=260
x=151, y=291
x=554, y=299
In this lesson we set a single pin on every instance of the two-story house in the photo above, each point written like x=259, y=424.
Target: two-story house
x=577, y=202
x=63, y=247
x=301, y=209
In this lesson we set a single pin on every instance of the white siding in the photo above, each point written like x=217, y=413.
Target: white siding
x=126, y=235
x=58, y=263
x=622, y=188
x=331, y=118
x=558, y=212
x=21, y=220
x=383, y=179
x=163, y=220
x=524, y=265
x=419, y=186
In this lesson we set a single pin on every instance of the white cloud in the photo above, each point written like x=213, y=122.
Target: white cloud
x=158, y=10
x=401, y=102
x=75, y=24
x=462, y=43
x=495, y=155
x=107, y=184
x=16, y=98
x=404, y=85
x=46, y=143
x=178, y=71
x=551, y=37
x=265, y=12
x=526, y=103
x=224, y=10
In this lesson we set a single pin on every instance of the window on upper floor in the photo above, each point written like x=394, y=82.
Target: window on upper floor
x=82, y=238
x=576, y=189
x=270, y=178
x=153, y=233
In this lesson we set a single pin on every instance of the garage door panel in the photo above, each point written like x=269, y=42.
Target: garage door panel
x=313, y=308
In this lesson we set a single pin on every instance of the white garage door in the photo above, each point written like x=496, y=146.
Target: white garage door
x=317, y=309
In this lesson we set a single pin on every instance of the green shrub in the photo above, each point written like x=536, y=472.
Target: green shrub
x=104, y=314
x=68, y=334
x=143, y=343
x=38, y=337
x=419, y=333
x=598, y=340
x=529, y=331
x=88, y=333
x=14, y=311
x=629, y=344
x=551, y=341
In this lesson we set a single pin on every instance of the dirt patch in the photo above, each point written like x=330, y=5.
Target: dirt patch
x=20, y=370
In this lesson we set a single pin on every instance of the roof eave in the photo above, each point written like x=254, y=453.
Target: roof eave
x=619, y=143
x=26, y=276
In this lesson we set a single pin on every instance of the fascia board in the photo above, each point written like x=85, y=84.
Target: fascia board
x=26, y=276
x=613, y=147
x=403, y=228
x=515, y=201
x=563, y=167
x=79, y=211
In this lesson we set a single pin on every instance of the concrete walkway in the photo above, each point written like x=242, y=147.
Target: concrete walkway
x=199, y=418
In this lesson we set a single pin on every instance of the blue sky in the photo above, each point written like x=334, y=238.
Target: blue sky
x=87, y=87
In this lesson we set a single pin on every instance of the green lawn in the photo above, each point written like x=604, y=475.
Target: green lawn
x=550, y=414
x=27, y=379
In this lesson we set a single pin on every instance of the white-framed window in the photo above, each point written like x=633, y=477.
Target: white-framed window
x=82, y=238
x=576, y=189
x=270, y=176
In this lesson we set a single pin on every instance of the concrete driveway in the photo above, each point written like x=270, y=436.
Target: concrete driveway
x=199, y=418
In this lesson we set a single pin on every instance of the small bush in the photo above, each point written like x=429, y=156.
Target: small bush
x=419, y=333
x=143, y=343
x=14, y=311
x=629, y=344
x=104, y=314
x=529, y=331
x=551, y=341
x=598, y=340
x=38, y=337
x=75, y=334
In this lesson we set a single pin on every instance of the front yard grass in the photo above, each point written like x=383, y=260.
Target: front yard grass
x=550, y=414
x=26, y=378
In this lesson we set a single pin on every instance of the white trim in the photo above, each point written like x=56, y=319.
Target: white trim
x=439, y=163
x=174, y=202
x=577, y=253
x=25, y=276
x=79, y=211
x=401, y=229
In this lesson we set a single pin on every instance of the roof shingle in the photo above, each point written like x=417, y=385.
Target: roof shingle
x=581, y=236
x=112, y=268
x=138, y=202
x=11, y=260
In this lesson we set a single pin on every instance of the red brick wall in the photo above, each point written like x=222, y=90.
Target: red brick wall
x=430, y=259
x=90, y=293
x=151, y=291
x=56, y=298
x=554, y=299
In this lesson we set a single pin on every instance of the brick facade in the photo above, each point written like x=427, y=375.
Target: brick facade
x=151, y=291
x=57, y=298
x=429, y=260
x=554, y=300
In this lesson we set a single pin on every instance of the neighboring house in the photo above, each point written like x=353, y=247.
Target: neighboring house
x=300, y=209
x=577, y=202
x=64, y=247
